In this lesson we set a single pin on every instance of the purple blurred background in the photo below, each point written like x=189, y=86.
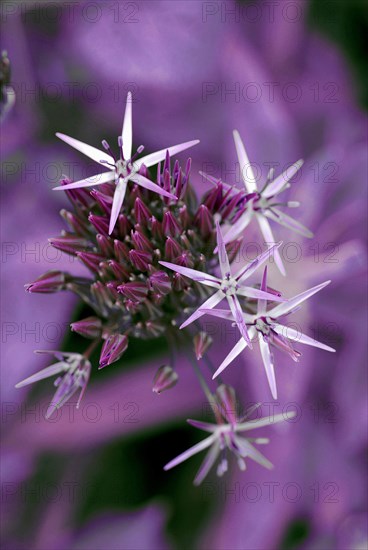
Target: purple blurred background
x=93, y=479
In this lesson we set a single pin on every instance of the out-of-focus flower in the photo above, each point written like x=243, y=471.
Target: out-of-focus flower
x=126, y=168
x=271, y=333
x=7, y=94
x=202, y=341
x=263, y=204
x=229, y=286
x=76, y=370
x=225, y=435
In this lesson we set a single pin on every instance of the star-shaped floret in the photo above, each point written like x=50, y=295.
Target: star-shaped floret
x=267, y=331
x=125, y=168
x=74, y=370
x=229, y=285
x=225, y=435
x=263, y=205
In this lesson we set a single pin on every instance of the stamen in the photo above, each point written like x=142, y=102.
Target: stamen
x=106, y=146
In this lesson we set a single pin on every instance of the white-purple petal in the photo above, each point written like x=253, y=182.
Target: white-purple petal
x=92, y=152
x=296, y=336
x=154, y=158
x=292, y=303
x=88, y=182
x=127, y=130
x=245, y=166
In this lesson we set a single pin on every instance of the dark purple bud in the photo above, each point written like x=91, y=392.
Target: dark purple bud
x=79, y=197
x=136, y=291
x=184, y=216
x=170, y=225
x=90, y=327
x=51, y=281
x=124, y=225
x=165, y=378
x=232, y=204
x=113, y=348
x=156, y=228
x=172, y=249
x=204, y=221
x=185, y=259
x=214, y=199
x=226, y=399
x=160, y=282
x=121, y=251
x=104, y=201
x=179, y=282
x=100, y=223
x=142, y=214
x=140, y=259
x=167, y=162
x=118, y=270
x=233, y=249
x=75, y=223
x=141, y=242
x=202, y=342
x=105, y=245
x=91, y=260
x=71, y=244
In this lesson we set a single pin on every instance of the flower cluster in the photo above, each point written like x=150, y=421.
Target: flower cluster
x=158, y=260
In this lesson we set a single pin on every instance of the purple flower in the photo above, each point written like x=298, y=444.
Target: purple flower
x=126, y=168
x=74, y=370
x=271, y=333
x=229, y=286
x=225, y=435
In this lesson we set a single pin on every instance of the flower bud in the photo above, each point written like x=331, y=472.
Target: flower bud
x=140, y=259
x=204, y=221
x=160, y=282
x=135, y=291
x=202, y=342
x=51, y=281
x=142, y=213
x=90, y=327
x=113, y=348
x=165, y=378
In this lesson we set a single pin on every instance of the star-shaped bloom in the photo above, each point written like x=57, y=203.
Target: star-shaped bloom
x=229, y=285
x=73, y=370
x=126, y=167
x=225, y=435
x=263, y=205
x=265, y=328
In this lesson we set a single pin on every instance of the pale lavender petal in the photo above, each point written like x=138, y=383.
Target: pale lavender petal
x=292, y=303
x=248, y=270
x=221, y=313
x=127, y=131
x=193, y=274
x=247, y=449
x=245, y=167
x=154, y=158
x=296, y=336
x=88, y=182
x=119, y=195
x=237, y=349
x=207, y=463
x=262, y=304
x=281, y=180
x=250, y=292
x=95, y=154
x=222, y=254
x=190, y=452
x=208, y=304
x=239, y=226
x=269, y=239
x=268, y=365
x=288, y=222
x=147, y=184
x=238, y=317
x=52, y=370
x=266, y=421
x=206, y=426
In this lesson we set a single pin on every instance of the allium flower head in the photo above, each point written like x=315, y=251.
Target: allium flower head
x=225, y=435
x=73, y=370
x=267, y=331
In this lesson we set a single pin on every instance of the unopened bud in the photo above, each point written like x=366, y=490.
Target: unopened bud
x=165, y=378
x=113, y=348
x=202, y=342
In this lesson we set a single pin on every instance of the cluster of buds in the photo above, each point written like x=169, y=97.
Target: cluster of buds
x=158, y=260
